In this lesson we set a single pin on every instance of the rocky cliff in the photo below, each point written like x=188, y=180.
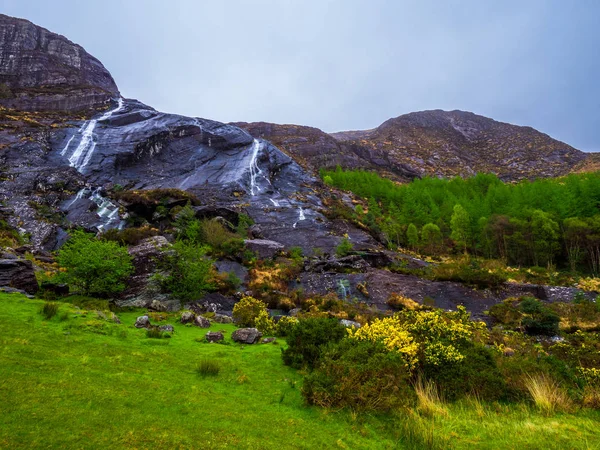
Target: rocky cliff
x=437, y=143
x=41, y=70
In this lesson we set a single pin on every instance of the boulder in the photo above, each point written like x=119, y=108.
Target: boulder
x=18, y=274
x=201, y=322
x=142, y=322
x=246, y=335
x=268, y=340
x=168, y=328
x=222, y=318
x=349, y=323
x=187, y=317
x=156, y=305
x=214, y=336
x=266, y=249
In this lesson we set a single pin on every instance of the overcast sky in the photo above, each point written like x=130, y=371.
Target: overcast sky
x=347, y=64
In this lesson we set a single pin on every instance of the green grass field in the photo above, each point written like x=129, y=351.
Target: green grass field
x=79, y=381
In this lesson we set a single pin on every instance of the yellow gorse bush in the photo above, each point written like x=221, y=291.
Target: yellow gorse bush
x=434, y=336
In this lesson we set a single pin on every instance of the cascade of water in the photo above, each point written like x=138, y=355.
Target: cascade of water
x=79, y=196
x=83, y=153
x=64, y=150
x=107, y=210
x=254, y=169
x=301, y=216
x=275, y=202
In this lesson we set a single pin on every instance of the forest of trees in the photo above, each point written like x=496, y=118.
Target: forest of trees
x=531, y=223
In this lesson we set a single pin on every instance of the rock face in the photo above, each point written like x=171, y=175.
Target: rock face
x=264, y=248
x=246, y=335
x=18, y=274
x=46, y=71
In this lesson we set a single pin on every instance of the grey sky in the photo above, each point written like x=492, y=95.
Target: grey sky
x=347, y=64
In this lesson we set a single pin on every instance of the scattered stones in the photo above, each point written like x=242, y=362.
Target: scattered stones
x=246, y=335
x=214, y=336
x=268, y=340
x=187, y=317
x=349, y=323
x=142, y=322
x=201, y=322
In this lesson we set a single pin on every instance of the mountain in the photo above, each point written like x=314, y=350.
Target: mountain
x=436, y=143
x=41, y=70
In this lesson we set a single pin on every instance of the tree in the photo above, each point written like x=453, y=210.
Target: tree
x=412, y=236
x=190, y=273
x=431, y=237
x=545, y=233
x=460, y=224
x=93, y=266
x=575, y=233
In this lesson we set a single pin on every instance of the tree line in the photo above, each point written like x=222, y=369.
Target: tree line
x=531, y=223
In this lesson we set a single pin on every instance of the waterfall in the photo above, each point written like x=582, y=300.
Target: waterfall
x=83, y=153
x=79, y=196
x=301, y=216
x=64, y=150
x=107, y=210
x=275, y=202
x=254, y=169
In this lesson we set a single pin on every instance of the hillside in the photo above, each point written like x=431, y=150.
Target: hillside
x=437, y=143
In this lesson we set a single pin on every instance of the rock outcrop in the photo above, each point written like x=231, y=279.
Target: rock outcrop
x=41, y=70
x=18, y=274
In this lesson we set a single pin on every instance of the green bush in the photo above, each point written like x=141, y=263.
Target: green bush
x=538, y=319
x=49, y=310
x=95, y=267
x=344, y=248
x=469, y=272
x=306, y=339
x=476, y=374
x=208, y=368
x=360, y=375
x=285, y=325
x=190, y=272
x=155, y=333
x=128, y=236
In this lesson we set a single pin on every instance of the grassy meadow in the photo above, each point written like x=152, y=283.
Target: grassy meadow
x=80, y=380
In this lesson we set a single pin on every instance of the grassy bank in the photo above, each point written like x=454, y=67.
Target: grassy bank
x=81, y=381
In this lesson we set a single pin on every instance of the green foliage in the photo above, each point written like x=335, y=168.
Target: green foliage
x=50, y=309
x=208, y=368
x=539, y=222
x=285, y=325
x=328, y=180
x=412, y=236
x=190, y=274
x=296, y=253
x=155, y=333
x=468, y=271
x=307, y=338
x=359, y=375
x=344, y=247
x=247, y=310
x=527, y=314
x=95, y=267
x=128, y=236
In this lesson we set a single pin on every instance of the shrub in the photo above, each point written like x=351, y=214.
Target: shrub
x=49, y=310
x=190, y=272
x=469, y=272
x=208, y=368
x=285, y=325
x=129, y=236
x=296, y=253
x=358, y=375
x=264, y=323
x=344, y=247
x=247, y=310
x=306, y=339
x=95, y=267
x=538, y=319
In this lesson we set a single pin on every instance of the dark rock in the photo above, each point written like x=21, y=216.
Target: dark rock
x=343, y=264
x=187, y=317
x=142, y=322
x=19, y=274
x=56, y=288
x=226, y=266
x=168, y=328
x=246, y=335
x=214, y=336
x=46, y=71
x=201, y=322
x=212, y=302
x=264, y=248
